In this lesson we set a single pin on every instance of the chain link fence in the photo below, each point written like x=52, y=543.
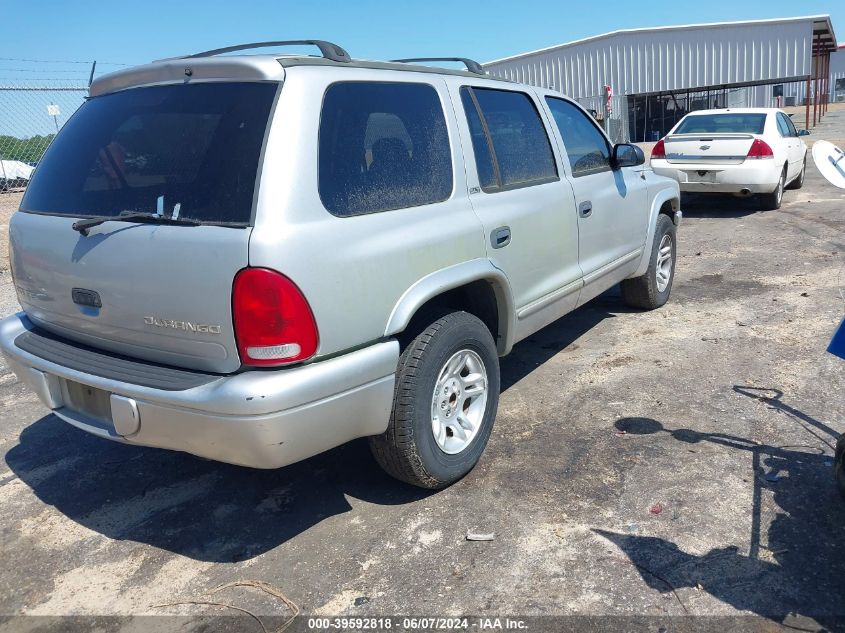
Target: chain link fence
x=614, y=120
x=30, y=116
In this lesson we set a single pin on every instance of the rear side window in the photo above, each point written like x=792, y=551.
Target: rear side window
x=785, y=125
x=728, y=123
x=383, y=146
x=512, y=150
x=481, y=145
x=790, y=125
x=194, y=148
x=586, y=147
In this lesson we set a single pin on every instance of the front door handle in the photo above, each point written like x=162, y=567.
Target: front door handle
x=500, y=237
x=585, y=209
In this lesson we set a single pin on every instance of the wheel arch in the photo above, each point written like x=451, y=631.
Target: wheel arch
x=667, y=201
x=476, y=286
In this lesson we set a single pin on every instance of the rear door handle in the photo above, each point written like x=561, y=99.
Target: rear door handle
x=585, y=209
x=500, y=237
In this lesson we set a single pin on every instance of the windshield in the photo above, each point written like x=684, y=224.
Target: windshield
x=722, y=123
x=190, y=149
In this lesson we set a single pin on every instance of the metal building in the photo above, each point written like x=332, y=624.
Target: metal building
x=837, y=75
x=657, y=75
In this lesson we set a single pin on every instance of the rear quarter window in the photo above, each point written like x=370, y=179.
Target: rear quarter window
x=383, y=146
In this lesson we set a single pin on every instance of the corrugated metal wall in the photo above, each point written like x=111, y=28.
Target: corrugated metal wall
x=659, y=60
x=837, y=71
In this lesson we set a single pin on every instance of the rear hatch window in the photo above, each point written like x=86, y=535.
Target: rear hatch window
x=189, y=149
x=728, y=123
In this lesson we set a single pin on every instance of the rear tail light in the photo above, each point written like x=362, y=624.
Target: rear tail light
x=760, y=149
x=659, y=150
x=274, y=324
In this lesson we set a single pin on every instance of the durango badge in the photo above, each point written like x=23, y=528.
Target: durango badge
x=187, y=326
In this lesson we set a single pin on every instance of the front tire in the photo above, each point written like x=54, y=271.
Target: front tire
x=444, y=405
x=651, y=290
x=772, y=201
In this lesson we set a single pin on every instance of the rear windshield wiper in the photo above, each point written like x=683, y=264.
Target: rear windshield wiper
x=131, y=216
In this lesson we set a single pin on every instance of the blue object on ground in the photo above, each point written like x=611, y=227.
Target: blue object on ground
x=837, y=343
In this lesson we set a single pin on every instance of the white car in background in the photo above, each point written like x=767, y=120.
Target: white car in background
x=743, y=151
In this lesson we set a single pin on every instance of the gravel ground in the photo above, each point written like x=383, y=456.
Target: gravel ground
x=9, y=202
x=659, y=464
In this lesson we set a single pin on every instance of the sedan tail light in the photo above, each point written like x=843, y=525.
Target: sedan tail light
x=659, y=150
x=760, y=149
x=273, y=322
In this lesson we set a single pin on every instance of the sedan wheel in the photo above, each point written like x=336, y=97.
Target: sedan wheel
x=772, y=201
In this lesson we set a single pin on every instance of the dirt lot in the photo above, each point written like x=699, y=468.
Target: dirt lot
x=643, y=464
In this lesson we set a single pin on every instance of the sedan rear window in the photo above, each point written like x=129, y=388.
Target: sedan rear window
x=722, y=123
x=190, y=150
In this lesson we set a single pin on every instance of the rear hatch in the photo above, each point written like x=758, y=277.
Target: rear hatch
x=158, y=290
x=714, y=139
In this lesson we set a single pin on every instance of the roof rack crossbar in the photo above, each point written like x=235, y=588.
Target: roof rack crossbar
x=328, y=50
x=472, y=65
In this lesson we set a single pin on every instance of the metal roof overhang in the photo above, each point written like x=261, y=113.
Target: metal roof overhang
x=823, y=34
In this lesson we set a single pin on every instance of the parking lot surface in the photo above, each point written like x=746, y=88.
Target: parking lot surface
x=669, y=463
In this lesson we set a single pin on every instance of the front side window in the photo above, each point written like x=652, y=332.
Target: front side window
x=383, y=146
x=510, y=142
x=585, y=145
x=194, y=148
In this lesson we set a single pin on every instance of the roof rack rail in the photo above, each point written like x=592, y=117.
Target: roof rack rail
x=329, y=50
x=472, y=65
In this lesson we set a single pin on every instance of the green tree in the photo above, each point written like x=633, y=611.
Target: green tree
x=28, y=150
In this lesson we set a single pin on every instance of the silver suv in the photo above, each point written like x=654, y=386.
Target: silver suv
x=257, y=258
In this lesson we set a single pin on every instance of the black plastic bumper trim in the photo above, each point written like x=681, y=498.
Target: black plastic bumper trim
x=96, y=362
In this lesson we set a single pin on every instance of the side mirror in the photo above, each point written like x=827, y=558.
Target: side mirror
x=803, y=132
x=626, y=155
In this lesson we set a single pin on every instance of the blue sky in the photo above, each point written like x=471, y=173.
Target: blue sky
x=71, y=34
x=133, y=32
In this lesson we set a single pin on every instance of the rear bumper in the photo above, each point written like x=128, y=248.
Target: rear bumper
x=758, y=176
x=262, y=419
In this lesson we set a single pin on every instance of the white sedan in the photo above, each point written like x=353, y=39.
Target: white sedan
x=743, y=151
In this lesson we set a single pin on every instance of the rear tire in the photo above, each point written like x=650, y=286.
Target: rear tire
x=799, y=180
x=651, y=290
x=444, y=405
x=772, y=201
